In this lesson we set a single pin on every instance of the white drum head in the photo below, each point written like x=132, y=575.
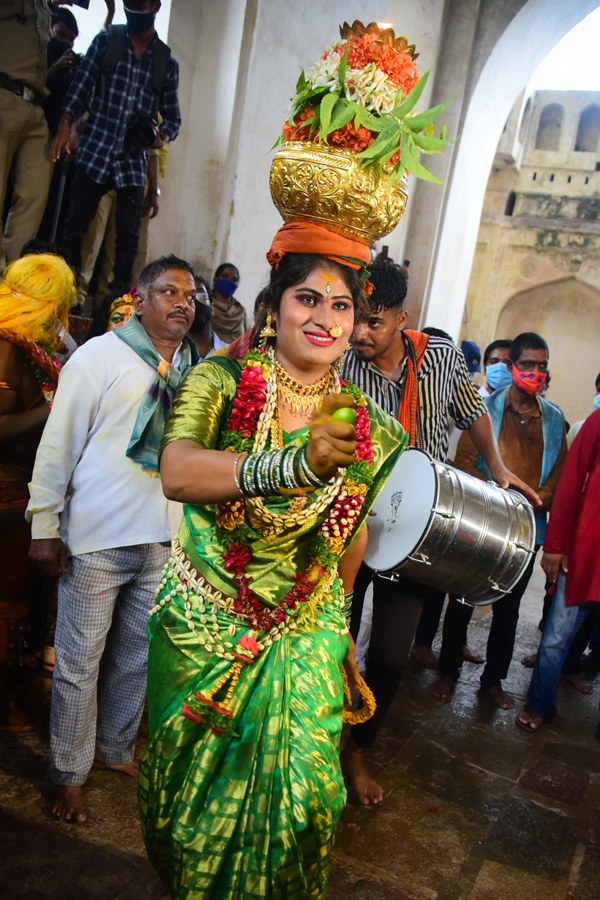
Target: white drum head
x=403, y=511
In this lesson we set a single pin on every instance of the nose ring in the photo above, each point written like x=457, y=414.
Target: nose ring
x=336, y=330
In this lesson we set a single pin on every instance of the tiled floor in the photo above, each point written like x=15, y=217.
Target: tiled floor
x=474, y=809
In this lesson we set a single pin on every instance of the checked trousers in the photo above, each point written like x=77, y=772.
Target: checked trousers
x=101, y=651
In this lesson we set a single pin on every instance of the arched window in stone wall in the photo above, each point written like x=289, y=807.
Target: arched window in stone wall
x=588, y=132
x=548, y=133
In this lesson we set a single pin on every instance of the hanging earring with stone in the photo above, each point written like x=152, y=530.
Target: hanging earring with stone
x=267, y=332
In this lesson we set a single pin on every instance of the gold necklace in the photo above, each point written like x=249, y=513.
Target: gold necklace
x=301, y=399
x=262, y=518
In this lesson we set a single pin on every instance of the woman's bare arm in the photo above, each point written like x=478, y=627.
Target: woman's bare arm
x=191, y=474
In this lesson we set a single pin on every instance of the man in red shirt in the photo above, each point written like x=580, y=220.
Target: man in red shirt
x=572, y=560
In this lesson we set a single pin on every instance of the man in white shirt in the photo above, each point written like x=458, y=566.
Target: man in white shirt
x=100, y=521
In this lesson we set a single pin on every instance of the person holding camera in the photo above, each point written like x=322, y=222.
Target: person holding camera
x=130, y=76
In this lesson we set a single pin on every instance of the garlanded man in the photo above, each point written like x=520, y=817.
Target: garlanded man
x=422, y=381
x=101, y=523
x=35, y=295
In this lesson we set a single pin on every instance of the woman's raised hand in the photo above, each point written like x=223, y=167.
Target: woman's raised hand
x=332, y=442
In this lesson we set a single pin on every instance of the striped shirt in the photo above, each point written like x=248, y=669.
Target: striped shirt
x=445, y=392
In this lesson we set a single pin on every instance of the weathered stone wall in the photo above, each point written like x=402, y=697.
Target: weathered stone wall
x=538, y=269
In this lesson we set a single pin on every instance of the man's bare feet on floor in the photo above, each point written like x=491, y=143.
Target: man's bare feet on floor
x=443, y=688
x=500, y=698
x=14, y=719
x=354, y=767
x=528, y=722
x=529, y=661
x=578, y=684
x=129, y=768
x=425, y=656
x=68, y=803
x=470, y=656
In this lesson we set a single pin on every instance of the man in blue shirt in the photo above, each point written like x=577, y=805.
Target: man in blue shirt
x=108, y=155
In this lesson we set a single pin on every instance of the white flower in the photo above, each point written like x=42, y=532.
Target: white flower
x=370, y=87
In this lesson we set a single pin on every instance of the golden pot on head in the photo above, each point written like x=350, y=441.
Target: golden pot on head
x=320, y=184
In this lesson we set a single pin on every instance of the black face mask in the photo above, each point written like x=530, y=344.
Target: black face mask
x=202, y=317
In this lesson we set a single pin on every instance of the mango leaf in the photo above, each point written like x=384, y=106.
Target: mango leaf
x=430, y=144
x=325, y=109
x=412, y=165
x=280, y=140
x=380, y=146
x=363, y=117
x=419, y=122
x=301, y=83
x=315, y=121
x=405, y=107
x=342, y=70
x=342, y=114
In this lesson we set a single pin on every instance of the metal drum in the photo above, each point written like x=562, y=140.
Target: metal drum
x=449, y=530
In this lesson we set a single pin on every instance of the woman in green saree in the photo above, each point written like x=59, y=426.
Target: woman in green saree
x=240, y=786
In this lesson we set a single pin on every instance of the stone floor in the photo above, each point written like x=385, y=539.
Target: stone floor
x=474, y=809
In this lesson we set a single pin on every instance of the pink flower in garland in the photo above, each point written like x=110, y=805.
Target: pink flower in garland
x=249, y=401
x=364, y=449
x=248, y=642
x=190, y=714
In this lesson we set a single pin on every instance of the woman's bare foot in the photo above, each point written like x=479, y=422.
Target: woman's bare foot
x=443, y=688
x=578, y=684
x=470, y=656
x=500, y=698
x=528, y=722
x=68, y=803
x=355, y=768
x=425, y=656
x=129, y=768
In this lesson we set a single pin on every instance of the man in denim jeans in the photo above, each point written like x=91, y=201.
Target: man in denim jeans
x=572, y=560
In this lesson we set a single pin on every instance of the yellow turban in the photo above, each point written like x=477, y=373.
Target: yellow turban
x=36, y=293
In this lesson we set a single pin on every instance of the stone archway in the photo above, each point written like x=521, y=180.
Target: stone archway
x=529, y=37
x=566, y=313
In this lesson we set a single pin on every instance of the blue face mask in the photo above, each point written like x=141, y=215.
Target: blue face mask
x=498, y=376
x=226, y=286
x=138, y=21
x=597, y=401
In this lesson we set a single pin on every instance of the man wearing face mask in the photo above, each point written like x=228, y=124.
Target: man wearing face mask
x=201, y=332
x=497, y=375
x=130, y=76
x=532, y=442
x=228, y=315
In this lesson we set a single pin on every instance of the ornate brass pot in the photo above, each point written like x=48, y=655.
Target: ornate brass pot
x=328, y=186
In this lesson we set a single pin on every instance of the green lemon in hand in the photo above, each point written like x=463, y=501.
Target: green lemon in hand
x=345, y=414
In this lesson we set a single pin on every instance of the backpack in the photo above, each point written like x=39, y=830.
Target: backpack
x=114, y=52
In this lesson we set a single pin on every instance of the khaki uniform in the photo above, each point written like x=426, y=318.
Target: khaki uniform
x=24, y=135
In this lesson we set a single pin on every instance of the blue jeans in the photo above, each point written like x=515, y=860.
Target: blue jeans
x=561, y=627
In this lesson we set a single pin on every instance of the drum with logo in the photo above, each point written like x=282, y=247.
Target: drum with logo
x=449, y=530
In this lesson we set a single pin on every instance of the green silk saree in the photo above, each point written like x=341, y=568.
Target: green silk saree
x=251, y=811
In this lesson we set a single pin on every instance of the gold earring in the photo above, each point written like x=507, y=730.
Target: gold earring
x=267, y=332
x=336, y=330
